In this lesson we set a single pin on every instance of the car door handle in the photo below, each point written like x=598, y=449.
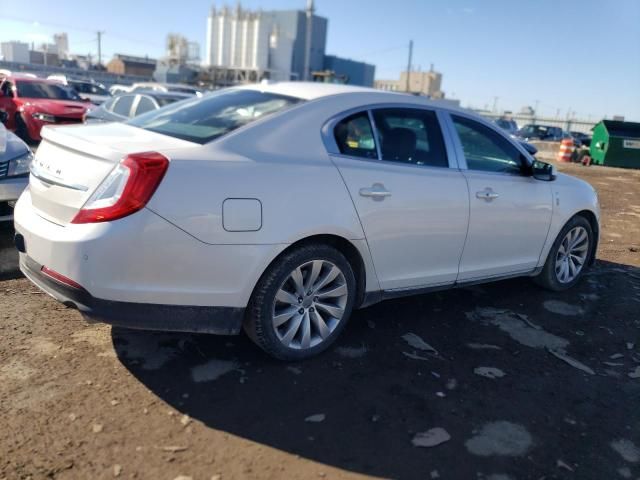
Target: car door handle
x=487, y=194
x=376, y=191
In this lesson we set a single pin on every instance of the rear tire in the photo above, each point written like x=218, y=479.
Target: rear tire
x=565, y=265
x=301, y=303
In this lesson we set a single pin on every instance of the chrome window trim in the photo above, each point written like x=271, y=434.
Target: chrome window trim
x=134, y=106
x=332, y=147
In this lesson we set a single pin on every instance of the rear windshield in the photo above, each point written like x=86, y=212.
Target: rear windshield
x=46, y=90
x=203, y=119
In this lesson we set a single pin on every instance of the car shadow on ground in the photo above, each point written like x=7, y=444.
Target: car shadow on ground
x=359, y=405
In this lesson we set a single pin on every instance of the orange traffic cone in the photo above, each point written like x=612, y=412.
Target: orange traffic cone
x=566, y=150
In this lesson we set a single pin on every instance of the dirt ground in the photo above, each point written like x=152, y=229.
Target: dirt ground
x=510, y=382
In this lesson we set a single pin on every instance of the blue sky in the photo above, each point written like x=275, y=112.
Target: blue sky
x=578, y=55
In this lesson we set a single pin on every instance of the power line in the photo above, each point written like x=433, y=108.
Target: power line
x=73, y=28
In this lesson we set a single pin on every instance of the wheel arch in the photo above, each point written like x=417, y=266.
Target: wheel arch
x=595, y=228
x=344, y=246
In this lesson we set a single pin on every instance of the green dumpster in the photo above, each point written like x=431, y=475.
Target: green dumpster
x=616, y=144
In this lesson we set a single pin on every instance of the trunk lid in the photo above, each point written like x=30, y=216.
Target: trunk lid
x=71, y=162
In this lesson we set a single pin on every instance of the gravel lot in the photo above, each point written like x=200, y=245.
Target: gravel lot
x=499, y=381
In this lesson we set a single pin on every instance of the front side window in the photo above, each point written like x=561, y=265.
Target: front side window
x=354, y=136
x=123, y=105
x=203, y=119
x=411, y=136
x=485, y=149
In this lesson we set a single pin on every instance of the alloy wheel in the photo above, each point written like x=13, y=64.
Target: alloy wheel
x=572, y=254
x=309, y=304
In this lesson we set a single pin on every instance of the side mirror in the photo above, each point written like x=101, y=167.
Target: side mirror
x=543, y=171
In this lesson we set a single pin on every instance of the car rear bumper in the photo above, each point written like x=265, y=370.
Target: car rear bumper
x=141, y=271
x=180, y=318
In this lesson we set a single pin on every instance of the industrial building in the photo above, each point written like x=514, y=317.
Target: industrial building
x=281, y=45
x=130, y=65
x=415, y=82
x=15, y=52
x=355, y=73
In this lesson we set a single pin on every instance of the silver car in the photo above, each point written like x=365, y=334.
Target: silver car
x=15, y=157
x=279, y=208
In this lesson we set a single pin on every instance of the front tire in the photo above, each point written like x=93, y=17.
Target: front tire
x=569, y=256
x=301, y=303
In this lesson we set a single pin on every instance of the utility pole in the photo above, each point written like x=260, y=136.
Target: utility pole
x=100, y=33
x=495, y=104
x=409, y=64
x=307, y=43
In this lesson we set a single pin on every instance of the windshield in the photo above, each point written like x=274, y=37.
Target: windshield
x=206, y=118
x=45, y=90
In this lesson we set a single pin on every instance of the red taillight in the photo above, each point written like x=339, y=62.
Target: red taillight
x=60, y=278
x=139, y=174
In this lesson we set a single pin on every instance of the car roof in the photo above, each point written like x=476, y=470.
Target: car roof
x=317, y=90
x=307, y=90
x=27, y=78
x=157, y=94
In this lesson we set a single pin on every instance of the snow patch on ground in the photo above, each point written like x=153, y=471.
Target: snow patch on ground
x=500, y=438
x=562, y=308
x=212, y=370
x=489, y=372
x=517, y=328
x=627, y=450
x=431, y=438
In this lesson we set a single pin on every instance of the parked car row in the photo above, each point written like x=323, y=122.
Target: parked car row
x=31, y=102
x=129, y=105
x=541, y=132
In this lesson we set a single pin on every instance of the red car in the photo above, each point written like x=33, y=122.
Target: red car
x=32, y=102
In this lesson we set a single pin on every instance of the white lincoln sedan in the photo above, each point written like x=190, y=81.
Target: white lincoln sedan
x=279, y=208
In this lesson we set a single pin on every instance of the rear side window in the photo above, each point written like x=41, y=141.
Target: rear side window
x=354, y=136
x=122, y=105
x=411, y=136
x=145, y=104
x=203, y=119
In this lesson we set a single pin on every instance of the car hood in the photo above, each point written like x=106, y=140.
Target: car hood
x=10, y=145
x=55, y=107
